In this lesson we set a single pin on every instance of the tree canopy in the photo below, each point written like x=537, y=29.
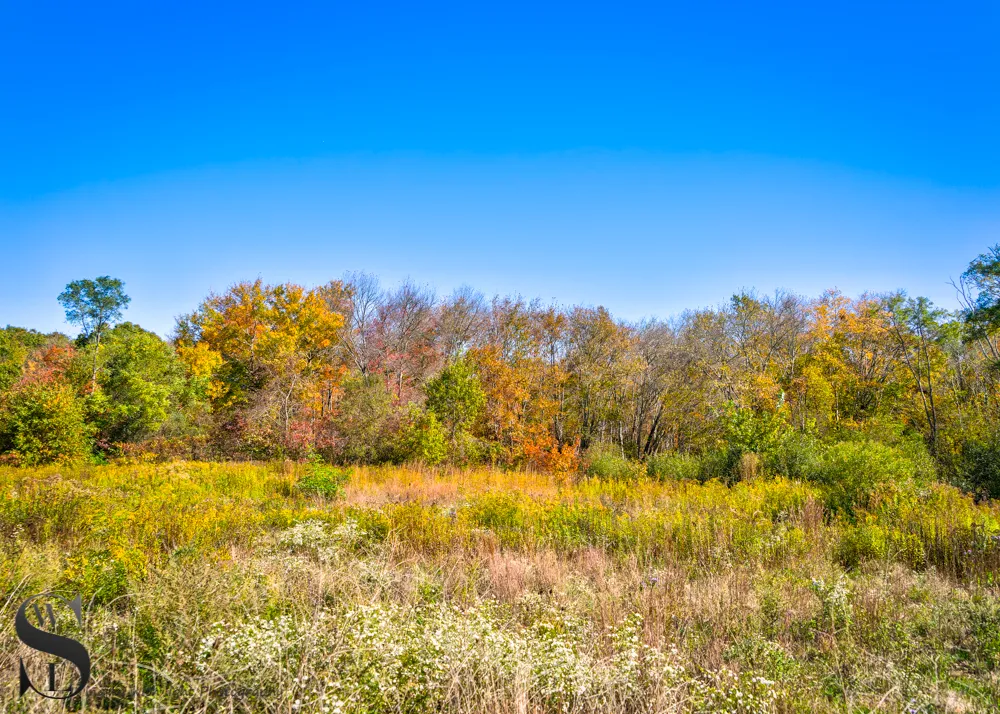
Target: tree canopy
x=360, y=373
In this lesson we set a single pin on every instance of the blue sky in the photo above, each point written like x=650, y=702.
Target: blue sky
x=648, y=157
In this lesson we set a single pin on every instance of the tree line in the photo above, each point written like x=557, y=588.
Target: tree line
x=357, y=373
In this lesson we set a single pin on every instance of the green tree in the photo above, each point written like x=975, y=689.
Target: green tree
x=12, y=356
x=979, y=293
x=94, y=305
x=142, y=384
x=362, y=416
x=424, y=439
x=920, y=328
x=455, y=397
x=42, y=422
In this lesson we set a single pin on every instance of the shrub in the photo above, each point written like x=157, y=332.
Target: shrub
x=978, y=467
x=755, y=442
x=546, y=454
x=757, y=432
x=42, y=422
x=857, y=474
x=455, y=397
x=604, y=461
x=795, y=456
x=716, y=464
x=862, y=543
x=362, y=420
x=323, y=480
x=673, y=466
x=424, y=439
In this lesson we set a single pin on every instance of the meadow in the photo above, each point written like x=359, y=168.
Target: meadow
x=284, y=587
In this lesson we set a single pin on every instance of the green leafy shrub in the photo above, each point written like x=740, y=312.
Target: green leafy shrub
x=424, y=439
x=757, y=432
x=323, y=480
x=749, y=432
x=795, y=456
x=455, y=397
x=604, y=461
x=859, y=474
x=978, y=466
x=753, y=443
x=673, y=466
x=862, y=543
x=42, y=422
x=715, y=464
x=362, y=421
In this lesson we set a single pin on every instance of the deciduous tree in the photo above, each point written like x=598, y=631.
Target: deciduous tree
x=94, y=305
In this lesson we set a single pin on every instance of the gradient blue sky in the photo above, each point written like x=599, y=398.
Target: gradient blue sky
x=647, y=157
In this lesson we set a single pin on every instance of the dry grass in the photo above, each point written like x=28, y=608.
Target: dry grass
x=216, y=587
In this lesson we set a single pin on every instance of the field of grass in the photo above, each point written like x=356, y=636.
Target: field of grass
x=250, y=588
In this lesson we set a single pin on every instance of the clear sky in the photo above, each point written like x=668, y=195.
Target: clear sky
x=647, y=157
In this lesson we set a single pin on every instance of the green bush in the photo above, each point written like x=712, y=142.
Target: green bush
x=859, y=474
x=424, y=439
x=717, y=464
x=673, y=466
x=978, y=467
x=362, y=421
x=757, y=432
x=862, y=543
x=753, y=443
x=455, y=397
x=795, y=456
x=605, y=461
x=42, y=422
x=323, y=480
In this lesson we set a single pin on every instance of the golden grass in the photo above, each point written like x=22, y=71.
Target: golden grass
x=482, y=590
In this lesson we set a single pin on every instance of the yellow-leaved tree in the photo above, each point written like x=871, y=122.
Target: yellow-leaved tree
x=271, y=354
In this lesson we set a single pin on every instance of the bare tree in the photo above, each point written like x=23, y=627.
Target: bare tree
x=461, y=321
x=405, y=333
x=359, y=337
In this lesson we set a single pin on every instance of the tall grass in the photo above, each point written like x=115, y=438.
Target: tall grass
x=214, y=587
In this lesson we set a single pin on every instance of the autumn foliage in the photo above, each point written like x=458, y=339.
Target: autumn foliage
x=360, y=374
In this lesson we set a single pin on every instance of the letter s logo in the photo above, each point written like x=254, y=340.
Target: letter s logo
x=49, y=643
